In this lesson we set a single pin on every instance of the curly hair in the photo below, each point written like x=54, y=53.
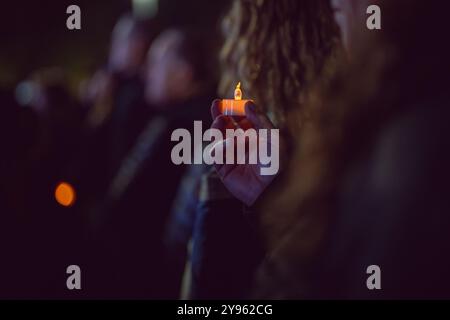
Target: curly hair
x=277, y=49
x=390, y=72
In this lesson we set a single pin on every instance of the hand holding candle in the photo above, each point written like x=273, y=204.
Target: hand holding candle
x=244, y=181
x=236, y=107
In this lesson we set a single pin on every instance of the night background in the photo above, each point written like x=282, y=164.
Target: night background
x=34, y=34
x=94, y=122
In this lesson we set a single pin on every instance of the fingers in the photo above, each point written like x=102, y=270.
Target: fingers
x=224, y=122
x=253, y=119
x=216, y=109
x=259, y=119
x=245, y=124
x=220, y=123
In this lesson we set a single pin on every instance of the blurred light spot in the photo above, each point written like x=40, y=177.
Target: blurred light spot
x=65, y=194
x=25, y=92
x=145, y=8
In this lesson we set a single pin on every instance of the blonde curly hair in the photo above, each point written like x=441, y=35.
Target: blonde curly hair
x=277, y=49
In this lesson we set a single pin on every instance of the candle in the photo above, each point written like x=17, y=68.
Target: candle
x=236, y=106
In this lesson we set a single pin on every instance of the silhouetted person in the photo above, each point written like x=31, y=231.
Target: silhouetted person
x=132, y=216
x=117, y=112
x=370, y=186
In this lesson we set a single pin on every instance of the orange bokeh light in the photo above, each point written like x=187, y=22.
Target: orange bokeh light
x=65, y=194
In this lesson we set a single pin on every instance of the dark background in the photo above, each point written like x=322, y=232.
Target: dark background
x=33, y=34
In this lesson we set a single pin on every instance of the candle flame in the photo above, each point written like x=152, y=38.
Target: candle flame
x=238, y=92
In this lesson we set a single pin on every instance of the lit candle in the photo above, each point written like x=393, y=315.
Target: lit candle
x=234, y=107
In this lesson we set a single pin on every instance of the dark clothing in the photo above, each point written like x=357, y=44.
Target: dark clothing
x=227, y=248
x=393, y=212
x=180, y=224
x=129, y=224
x=105, y=146
x=129, y=116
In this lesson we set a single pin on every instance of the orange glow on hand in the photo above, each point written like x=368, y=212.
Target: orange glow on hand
x=65, y=194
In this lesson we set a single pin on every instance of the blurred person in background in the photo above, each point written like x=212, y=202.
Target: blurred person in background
x=371, y=187
x=171, y=88
x=44, y=136
x=115, y=100
x=129, y=222
x=116, y=114
x=17, y=137
x=278, y=50
x=59, y=117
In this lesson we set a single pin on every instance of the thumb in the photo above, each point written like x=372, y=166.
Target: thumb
x=216, y=109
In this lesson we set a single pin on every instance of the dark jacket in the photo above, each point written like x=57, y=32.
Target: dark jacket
x=227, y=248
x=128, y=225
x=392, y=212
